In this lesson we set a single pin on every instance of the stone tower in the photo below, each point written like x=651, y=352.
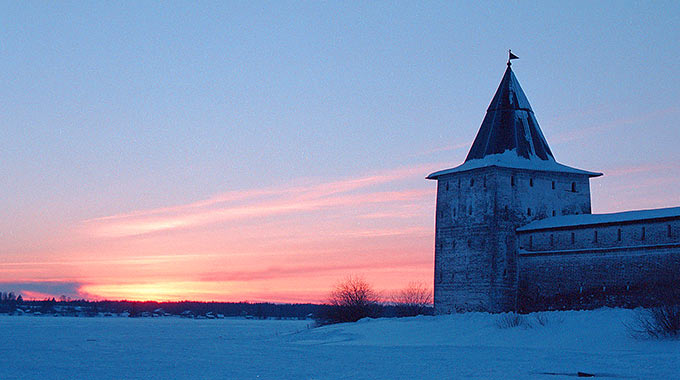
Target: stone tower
x=508, y=179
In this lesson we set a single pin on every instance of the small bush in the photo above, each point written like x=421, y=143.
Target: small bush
x=415, y=299
x=658, y=322
x=510, y=320
x=350, y=301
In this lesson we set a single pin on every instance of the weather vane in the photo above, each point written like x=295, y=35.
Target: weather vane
x=511, y=57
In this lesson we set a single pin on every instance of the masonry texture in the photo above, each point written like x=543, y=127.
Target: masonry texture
x=514, y=229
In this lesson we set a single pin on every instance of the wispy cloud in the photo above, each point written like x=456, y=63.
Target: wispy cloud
x=578, y=134
x=263, y=203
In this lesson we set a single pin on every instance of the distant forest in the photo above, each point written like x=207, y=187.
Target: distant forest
x=16, y=305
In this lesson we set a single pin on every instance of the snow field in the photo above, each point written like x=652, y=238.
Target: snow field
x=462, y=346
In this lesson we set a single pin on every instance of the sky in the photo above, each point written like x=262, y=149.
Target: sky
x=264, y=151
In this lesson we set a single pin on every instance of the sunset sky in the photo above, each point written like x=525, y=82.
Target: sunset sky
x=263, y=151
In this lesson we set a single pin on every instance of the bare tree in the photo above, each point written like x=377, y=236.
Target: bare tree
x=350, y=300
x=412, y=300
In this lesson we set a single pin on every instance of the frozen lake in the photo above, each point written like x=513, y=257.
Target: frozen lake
x=469, y=346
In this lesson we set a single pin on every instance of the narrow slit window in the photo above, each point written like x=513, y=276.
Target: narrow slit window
x=472, y=182
x=670, y=232
x=553, y=185
x=447, y=186
x=531, y=242
x=573, y=238
x=512, y=180
x=595, y=237
x=642, y=235
x=531, y=182
x=618, y=235
x=573, y=187
x=552, y=240
x=553, y=213
x=529, y=211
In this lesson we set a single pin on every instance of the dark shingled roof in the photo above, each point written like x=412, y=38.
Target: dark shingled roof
x=510, y=136
x=510, y=124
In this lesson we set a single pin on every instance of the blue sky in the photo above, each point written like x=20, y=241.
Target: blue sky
x=116, y=108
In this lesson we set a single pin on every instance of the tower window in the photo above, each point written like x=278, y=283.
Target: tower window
x=595, y=237
x=573, y=238
x=512, y=180
x=470, y=210
x=642, y=235
x=459, y=183
x=453, y=244
x=573, y=187
x=531, y=242
x=531, y=182
x=553, y=212
x=670, y=233
x=447, y=186
x=552, y=240
x=618, y=235
x=472, y=182
x=529, y=211
x=485, y=182
x=453, y=211
x=553, y=185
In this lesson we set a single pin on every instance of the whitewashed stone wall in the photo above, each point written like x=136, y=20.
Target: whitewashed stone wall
x=476, y=250
x=625, y=263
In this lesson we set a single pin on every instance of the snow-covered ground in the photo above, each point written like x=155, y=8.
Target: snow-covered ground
x=464, y=346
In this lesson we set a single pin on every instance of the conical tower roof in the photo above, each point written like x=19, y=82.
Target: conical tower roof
x=510, y=135
x=510, y=125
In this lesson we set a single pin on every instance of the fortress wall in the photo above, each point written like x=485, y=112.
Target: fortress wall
x=626, y=268
x=463, y=245
x=475, y=243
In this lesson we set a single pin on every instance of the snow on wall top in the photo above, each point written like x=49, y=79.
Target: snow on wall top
x=591, y=219
x=510, y=136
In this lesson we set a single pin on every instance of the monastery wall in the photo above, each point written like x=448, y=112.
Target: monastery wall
x=616, y=264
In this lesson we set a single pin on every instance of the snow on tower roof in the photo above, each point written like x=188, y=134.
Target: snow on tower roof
x=510, y=136
x=590, y=219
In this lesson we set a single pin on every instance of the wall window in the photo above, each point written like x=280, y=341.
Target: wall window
x=573, y=238
x=485, y=182
x=595, y=237
x=553, y=185
x=618, y=235
x=472, y=182
x=453, y=244
x=573, y=187
x=453, y=211
x=459, y=183
x=447, y=186
x=531, y=182
x=470, y=210
x=670, y=232
x=531, y=242
x=642, y=234
x=553, y=213
x=529, y=211
x=552, y=240
x=512, y=180
x=469, y=243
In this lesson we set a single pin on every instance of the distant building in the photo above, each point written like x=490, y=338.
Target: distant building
x=514, y=229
